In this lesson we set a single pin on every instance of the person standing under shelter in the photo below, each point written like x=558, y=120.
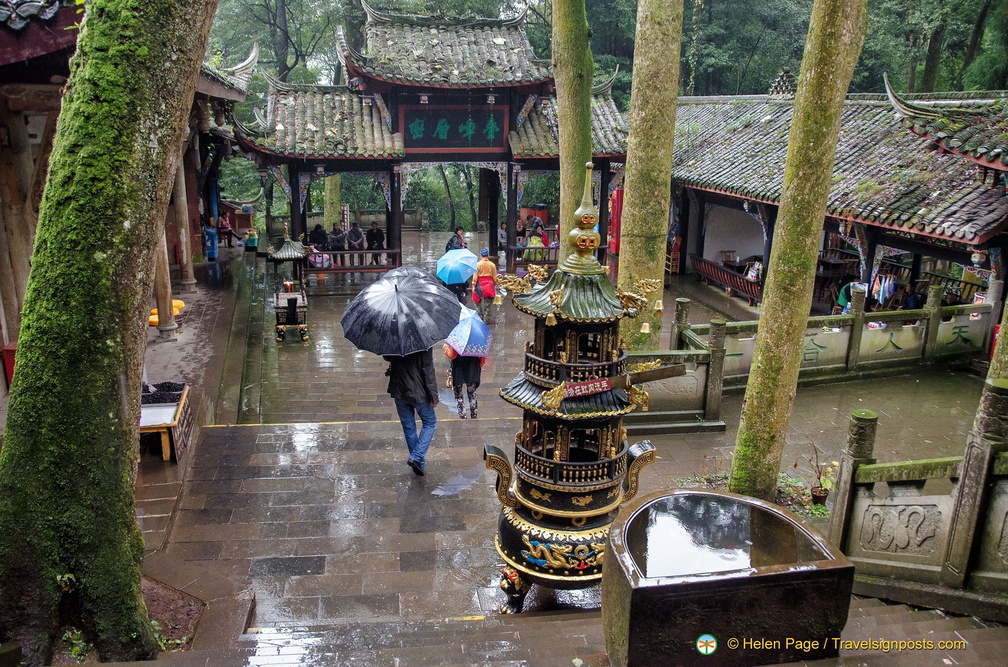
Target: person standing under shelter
x=483, y=285
x=337, y=241
x=355, y=241
x=413, y=387
x=375, y=241
x=502, y=239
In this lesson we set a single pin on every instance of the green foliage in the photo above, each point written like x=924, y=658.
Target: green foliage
x=239, y=179
x=166, y=643
x=78, y=646
x=544, y=189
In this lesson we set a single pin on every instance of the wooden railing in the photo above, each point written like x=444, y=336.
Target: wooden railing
x=352, y=261
x=732, y=281
x=538, y=369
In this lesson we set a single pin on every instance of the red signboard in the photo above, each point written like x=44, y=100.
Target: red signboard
x=586, y=388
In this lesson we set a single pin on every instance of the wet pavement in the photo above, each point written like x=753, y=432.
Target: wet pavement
x=298, y=491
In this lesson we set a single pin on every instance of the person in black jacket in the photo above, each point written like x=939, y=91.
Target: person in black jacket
x=413, y=387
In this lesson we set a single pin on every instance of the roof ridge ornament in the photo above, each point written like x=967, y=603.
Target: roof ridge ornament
x=605, y=87
x=785, y=86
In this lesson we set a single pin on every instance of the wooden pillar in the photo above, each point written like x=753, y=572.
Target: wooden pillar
x=512, y=213
x=685, y=208
x=16, y=167
x=162, y=291
x=701, y=223
x=771, y=224
x=181, y=205
x=394, y=217
x=605, y=172
x=298, y=227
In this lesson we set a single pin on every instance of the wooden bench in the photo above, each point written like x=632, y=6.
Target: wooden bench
x=732, y=281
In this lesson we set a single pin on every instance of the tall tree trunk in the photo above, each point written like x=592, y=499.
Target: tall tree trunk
x=68, y=462
x=912, y=66
x=572, y=71
x=463, y=170
x=929, y=77
x=973, y=47
x=281, y=45
x=448, y=195
x=331, y=202
x=836, y=34
x=649, y=157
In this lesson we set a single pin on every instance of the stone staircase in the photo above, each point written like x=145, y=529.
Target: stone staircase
x=573, y=637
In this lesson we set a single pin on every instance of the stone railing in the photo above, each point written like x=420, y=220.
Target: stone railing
x=839, y=347
x=932, y=532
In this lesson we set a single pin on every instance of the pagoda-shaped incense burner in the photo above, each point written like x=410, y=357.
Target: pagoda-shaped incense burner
x=572, y=464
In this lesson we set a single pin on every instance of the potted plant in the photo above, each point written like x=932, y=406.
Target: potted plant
x=824, y=477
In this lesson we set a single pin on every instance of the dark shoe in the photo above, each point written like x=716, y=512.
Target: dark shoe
x=417, y=470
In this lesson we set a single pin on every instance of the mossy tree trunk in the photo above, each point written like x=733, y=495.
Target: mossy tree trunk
x=67, y=466
x=649, y=158
x=998, y=369
x=572, y=71
x=835, y=36
x=331, y=206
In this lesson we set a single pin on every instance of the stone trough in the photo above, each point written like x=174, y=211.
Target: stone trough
x=766, y=586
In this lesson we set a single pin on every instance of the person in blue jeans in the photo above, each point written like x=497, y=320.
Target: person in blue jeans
x=413, y=387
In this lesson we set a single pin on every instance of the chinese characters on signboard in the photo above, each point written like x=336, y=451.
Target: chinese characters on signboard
x=433, y=128
x=586, y=388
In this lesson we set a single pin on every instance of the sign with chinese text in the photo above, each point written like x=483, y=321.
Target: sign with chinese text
x=433, y=128
x=586, y=388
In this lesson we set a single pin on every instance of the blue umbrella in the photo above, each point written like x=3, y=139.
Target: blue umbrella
x=456, y=266
x=470, y=337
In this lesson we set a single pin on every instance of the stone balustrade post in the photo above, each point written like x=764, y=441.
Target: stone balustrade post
x=933, y=307
x=860, y=450
x=680, y=322
x=856, y=328
x=715, y=371
x=987, y=439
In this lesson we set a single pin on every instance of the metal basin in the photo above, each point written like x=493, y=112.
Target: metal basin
x=767, y=586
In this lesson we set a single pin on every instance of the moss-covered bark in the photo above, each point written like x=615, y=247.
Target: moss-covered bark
x=331, y=205
x=649, y=158
x=572, y=71
x=999, y=362
x=836, y=33
x=68, y=462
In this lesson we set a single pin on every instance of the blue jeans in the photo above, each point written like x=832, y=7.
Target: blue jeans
x=417, y=444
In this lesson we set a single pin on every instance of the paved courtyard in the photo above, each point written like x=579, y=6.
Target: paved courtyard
x=298, y=489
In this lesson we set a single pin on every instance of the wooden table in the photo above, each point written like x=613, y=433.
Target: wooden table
x=737, y=267
x=173, y=421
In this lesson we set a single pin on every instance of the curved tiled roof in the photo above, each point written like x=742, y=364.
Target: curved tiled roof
x=586, y=298
x=322, y=122
x=538, y=136
x=445, y=52
x=16, y=13
x=884, y=175
x=528, y=396
x=975, y=126
x=237, y=77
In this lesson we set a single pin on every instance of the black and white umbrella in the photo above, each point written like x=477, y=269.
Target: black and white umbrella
x=399, y=315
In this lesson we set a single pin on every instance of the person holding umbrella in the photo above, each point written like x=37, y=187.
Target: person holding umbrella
x=413, y=386
x=483, y=287
x=467, y=346
x=455, y=268
x=400, y=317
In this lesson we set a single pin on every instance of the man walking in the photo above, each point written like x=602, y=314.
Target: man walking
x=413, y=387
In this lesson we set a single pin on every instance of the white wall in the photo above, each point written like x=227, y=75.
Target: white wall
x=731, y=229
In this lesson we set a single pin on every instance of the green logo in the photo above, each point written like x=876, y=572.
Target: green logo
x=706, y=644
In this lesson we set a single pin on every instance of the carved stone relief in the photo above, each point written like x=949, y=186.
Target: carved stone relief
x=900, y=529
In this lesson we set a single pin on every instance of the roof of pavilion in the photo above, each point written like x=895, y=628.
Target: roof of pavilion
x=884, y=174
x=975, y=127
x=310, y=122
x=445, y=52
x=538, y=136
x=321, y=122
